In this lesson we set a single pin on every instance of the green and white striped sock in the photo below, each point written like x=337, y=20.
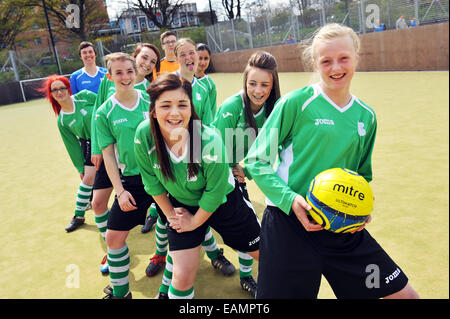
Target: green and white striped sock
x=83, y=197
x=152, y=210
x=178, y=294
x=119, y=268
x=167, y=276
x=245, y=264
x=101, y=222
x=161, y=238
x=209, y=244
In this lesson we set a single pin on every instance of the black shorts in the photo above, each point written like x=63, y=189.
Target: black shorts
x=102, y=180
x=120, y=220
x=86, y=149
x=292, y=262
x=243, y=188
x=235, y=221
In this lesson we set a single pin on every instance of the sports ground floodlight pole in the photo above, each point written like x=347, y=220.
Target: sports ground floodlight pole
x=51, y=37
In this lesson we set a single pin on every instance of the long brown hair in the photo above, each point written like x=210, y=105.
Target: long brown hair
x=265, y=61
x=163, y=83
x=138, y=49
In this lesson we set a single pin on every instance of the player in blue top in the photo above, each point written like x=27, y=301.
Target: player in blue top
x=90, y=75
x=315, y=128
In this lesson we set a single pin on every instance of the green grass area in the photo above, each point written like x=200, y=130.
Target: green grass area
x=411, y=187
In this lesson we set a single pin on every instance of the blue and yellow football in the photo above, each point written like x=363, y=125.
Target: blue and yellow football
x=341, y=200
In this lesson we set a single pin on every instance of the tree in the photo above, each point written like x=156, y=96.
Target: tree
x=87, y=17
x=301, y=5
x=161, y=12
x=231, y=6
x=12, y=19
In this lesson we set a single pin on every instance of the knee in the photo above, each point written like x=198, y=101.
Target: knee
x=113, y=241
x=182, y=283
x=99, y=204
x=99, y=207
x=89, y=178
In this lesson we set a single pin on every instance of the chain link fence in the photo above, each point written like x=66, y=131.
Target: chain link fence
x=263, y=27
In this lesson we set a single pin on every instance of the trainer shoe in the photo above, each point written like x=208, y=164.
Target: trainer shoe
x=108, y=290
x=149, y=222
x=220, y=262
x=162, y=295
x=249, y=284
x=74, y=223
x=104, y=268
x=157, y=262
x=111, y=296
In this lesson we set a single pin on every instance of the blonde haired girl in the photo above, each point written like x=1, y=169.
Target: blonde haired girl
x=308, y=147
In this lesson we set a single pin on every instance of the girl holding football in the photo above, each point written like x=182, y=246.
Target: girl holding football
x=306, y=149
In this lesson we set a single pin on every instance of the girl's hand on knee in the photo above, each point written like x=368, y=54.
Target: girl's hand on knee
x=126, y=201
x=182, y=220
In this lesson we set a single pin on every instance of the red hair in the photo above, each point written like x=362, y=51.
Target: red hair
x=45, y=89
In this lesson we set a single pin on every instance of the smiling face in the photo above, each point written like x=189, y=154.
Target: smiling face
x=173, y=112
x=168, y=45
x=336, y=61
x=259, y=85
x=87, y=55
x=146, y=61
x=187, y=58
x=123, y=74
x=59, y=91
x=203, y=61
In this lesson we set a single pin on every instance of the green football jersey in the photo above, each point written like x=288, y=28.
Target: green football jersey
x=200, y=97
x=77, y=124
x=234, y=129
x=209, y=84
x=116, y=124
x=314, y=134
x=106, y=90
x=208, y=189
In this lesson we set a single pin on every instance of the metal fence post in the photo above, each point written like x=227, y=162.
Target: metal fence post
x=324, y=16
x=234, y=34
x=363, y=19
x=101, y=53
x=388, y=5
x=250, y=38
x=14, y=65
x=220, y=36
x=416, y=10
x=268, y=29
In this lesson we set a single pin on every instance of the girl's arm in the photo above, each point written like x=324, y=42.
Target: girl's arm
x=73, y=147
